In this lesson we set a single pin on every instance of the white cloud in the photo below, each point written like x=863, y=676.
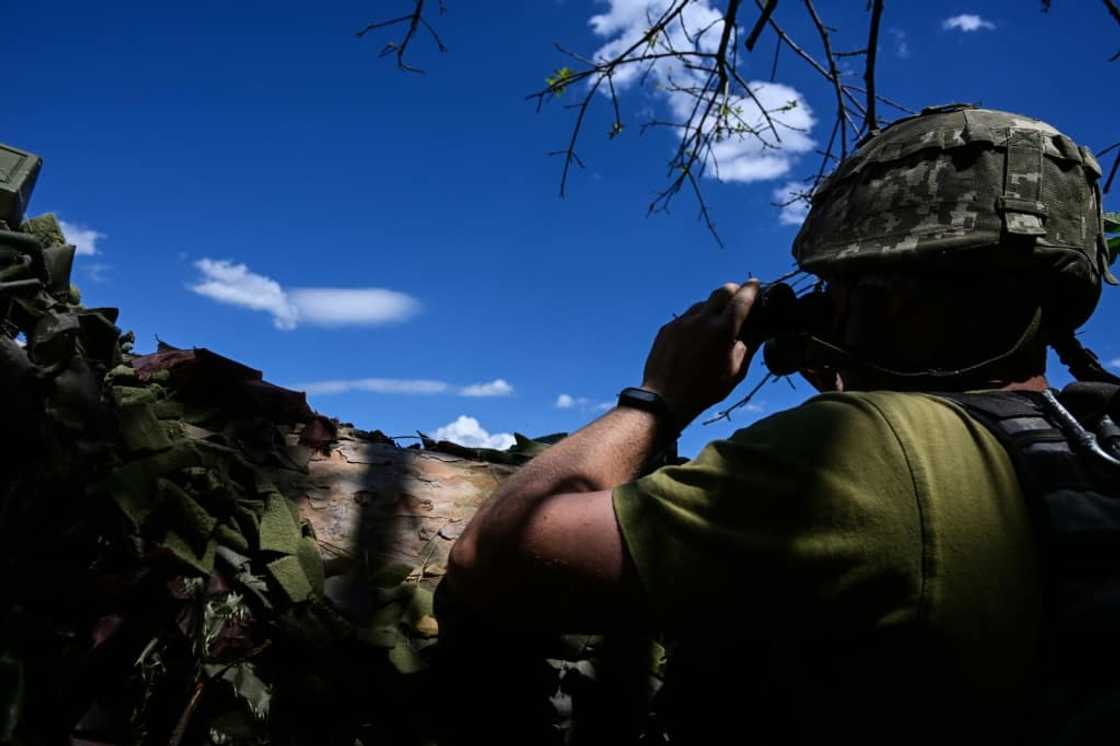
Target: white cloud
x=376, y=386
x=567, y=401
x=738, y=158
x=901, y=43
x=497, y=387
x=343, y=306
x=85, y=239
x=751, y=407
x=97, y=272
x=1114, y=362
x=466, y=431
x=967, y=22
x=407, y=386
x=793, y=213
x=235, y=284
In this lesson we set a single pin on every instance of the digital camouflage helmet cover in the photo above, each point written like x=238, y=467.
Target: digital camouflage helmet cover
x=958, y=188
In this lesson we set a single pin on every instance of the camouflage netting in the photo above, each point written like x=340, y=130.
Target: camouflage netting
x=196, y=557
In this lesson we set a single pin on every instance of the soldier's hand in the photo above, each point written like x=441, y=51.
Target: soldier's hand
x=698, y=359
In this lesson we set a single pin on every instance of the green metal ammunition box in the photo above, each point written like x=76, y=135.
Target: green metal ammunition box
x=18, y=171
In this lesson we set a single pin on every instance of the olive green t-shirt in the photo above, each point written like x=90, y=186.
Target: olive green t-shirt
x=858, y=556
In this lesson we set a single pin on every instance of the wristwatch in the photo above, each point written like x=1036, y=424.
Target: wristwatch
x=649, y=401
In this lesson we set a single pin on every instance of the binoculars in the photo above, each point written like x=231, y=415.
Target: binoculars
x=784, y=325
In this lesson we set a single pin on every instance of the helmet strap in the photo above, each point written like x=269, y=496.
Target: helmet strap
x=819, y=352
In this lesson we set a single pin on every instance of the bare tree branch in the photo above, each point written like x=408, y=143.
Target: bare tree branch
x=774, y=67
x=709, y=80
x=570, y=154
x=415, y=20
x=760, y=24
x=719, y=104
x=1112, y=173
x=716, y=91
x=712, y=81
x=599, y=71
x=1114, y=11
x=870, y=121
x=812, y=62
x=882, y=99
x=834, y=76
x=726, y=414
x=790, y=43
x=827, y=155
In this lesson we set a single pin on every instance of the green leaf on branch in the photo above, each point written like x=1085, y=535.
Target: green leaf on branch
x=559, y=80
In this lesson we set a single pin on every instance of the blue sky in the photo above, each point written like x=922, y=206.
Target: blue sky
x=253, y=179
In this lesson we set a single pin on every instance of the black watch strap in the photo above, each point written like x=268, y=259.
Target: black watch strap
x=649, y=401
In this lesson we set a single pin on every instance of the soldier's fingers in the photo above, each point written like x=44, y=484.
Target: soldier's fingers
x=720, y=297
x=739, y=305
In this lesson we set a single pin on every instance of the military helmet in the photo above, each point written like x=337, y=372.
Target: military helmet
x=961, y=189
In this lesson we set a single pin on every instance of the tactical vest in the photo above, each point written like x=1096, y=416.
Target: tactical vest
x=1066, y=453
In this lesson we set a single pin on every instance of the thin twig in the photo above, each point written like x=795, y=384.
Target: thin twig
x=774, y=67
x=808, y=58
x=599, y=71
x=571, y=151
x=793, y=45
x=1114, y=11
x=833, y=75
x=871, y=123
x=726, y=414
x=1108, y=150
x=1111, y=173
x=616, y=126
x=827, y=155
x=415, y=20
x=882, y=99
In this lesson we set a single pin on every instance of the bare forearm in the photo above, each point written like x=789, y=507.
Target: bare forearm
x=604, y=454
x=601, y=455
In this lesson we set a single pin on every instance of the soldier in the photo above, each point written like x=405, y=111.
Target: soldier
x=894, y=560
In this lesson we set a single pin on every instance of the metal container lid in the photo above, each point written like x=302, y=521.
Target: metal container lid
x=18, y=172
